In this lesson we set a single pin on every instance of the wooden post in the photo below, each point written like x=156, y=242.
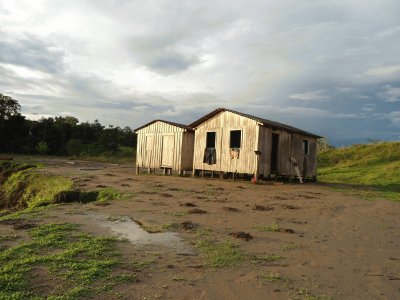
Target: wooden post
x=202, y=173
x=258, y=153
x=137, y=170
x=164, y=171
x=149, y=171
x=212, y=174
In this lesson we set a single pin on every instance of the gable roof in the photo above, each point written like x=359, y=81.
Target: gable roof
x=264, y=122
x=168, y=122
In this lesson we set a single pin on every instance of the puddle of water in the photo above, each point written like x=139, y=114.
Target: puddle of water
x=127, y=228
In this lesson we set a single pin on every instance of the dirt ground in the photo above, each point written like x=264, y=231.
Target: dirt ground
x=333, y=245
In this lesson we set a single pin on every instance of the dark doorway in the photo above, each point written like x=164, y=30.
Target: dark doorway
x=274, y=152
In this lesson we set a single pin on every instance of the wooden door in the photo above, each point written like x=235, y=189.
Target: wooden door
x=167, y=158
x=149, y=150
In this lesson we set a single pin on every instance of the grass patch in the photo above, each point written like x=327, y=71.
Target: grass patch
x=373, y=168
x=10, y=237
x=225, y=254
x=291, y=246
x=270, y=227
x=124, y=155
x=150, y=227
x=109, y=194
x=268, y=257
x=274, y=277
x=178, y=278
x=78, y=264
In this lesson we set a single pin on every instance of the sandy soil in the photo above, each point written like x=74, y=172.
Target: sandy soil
x=334, y=245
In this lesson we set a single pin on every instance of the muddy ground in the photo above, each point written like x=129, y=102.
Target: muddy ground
x=331, y=244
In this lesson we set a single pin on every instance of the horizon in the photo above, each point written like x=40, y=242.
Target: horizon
x=329, y=68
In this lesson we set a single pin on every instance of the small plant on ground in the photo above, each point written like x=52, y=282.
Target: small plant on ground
x=270, y=227
x=290, y=246
x=225, y=254
x=274, y=277
x=150, y=227
x=268, y=257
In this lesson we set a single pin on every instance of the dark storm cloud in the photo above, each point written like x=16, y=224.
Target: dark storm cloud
x=31, y=52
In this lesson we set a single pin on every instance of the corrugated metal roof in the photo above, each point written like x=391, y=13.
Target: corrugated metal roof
x=188, y=128
x=265, y=122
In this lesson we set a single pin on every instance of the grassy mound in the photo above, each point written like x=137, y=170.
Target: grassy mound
x=24, y=187
x=373, y=165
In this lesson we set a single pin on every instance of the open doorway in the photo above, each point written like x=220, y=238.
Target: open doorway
x=274, y=152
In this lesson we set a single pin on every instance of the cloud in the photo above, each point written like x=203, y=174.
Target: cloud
x=390, y=94
x=325, y=66
x=29, y=51
x=383, y=71
x=394, y=117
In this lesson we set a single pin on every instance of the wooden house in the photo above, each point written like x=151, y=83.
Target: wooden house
x=164, y=145
x=227, y=141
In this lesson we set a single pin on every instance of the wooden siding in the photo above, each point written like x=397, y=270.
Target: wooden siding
x=160, y=139
x=254, y=137
x=290, y=144
x=222, y=124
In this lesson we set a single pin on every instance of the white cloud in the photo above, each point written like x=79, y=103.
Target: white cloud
x=383, y=71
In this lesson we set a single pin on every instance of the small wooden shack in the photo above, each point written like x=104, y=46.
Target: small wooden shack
x=164, y=145
x=228, y=141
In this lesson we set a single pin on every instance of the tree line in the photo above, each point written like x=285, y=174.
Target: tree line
x=58, y=135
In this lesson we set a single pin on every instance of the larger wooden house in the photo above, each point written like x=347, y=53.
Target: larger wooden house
x=164, y=145
x=232, y=142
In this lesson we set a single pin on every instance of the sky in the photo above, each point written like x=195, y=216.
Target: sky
x=328, y=67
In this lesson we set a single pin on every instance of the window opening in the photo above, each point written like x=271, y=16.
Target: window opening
x=235, y=139
x=305, y=147
x=210, y=140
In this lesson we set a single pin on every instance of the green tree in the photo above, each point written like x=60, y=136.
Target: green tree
x=8, y=107
x=42, y=148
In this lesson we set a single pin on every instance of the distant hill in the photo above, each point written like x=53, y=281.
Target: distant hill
x=376, y=165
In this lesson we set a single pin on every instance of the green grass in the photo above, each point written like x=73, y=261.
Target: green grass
x=79, y=265
x=375, y=168
x=124, y=155
x=108, y=194
x=31, y=189
x=225, y=254
x=269, y=227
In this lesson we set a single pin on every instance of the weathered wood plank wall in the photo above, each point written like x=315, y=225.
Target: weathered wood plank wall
x=254, y=137
x=222, y=124
x=150, y=146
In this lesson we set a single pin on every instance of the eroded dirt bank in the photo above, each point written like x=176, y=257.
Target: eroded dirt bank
x=307, y=240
